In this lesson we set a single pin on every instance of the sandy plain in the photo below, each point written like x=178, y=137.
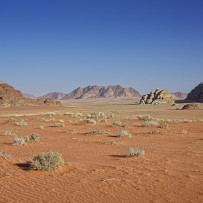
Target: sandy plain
x=97, y=169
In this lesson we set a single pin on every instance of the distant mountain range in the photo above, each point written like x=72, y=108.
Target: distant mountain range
x=95, y=92
x=29, y=96
x=179, y=95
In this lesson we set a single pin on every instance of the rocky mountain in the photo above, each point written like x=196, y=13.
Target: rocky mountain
x=29, y=96
x=11, y=97
x=160, y=96
x=179, y=95
x=102, y=92
x=95, y=92
x=54, y=95
x=196, y=95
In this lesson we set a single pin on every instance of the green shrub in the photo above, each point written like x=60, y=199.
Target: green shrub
x=46, y=161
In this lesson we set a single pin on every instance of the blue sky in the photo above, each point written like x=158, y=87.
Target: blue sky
x=58, y=45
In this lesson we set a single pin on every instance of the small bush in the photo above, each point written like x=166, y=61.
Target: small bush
x=163, y=125
x=111, y=115
x=24, y=140
x=88, y=120
x=144, y=117
x=118, y=123
x=150, y=123
x=92, y=131
x=134, y=151
x=41, y=127
x=59, y=124
x=34, y=137
x=21, y=123
x=123, y=133
x=46, y=161
x=8, y=132
x=5, y=155
x=102, y=121
x=20, y=141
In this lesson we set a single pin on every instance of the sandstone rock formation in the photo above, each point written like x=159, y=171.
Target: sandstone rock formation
x=196, y=95
x=160, y=96
x=11, y=97
x=190, y=107
x=96, y=92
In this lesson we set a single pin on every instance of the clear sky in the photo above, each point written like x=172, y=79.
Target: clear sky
x=58, y=45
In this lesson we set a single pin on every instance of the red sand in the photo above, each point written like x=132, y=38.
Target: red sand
x=97, y=170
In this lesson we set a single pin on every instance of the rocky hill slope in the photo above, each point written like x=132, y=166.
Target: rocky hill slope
x=196, y=95
x=160, y=96
x=11, y=97
x=96, y=92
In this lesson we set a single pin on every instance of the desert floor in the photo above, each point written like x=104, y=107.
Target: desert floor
x=97, y=168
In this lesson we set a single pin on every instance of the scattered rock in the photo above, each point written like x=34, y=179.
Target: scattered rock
x=160, y=96
x=190, y=107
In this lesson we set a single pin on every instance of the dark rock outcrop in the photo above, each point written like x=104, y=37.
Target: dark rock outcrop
x=196, y=95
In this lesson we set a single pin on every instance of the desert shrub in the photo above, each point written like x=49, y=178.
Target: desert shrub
x=19, y=141
x=144, y=117
x=111, y=115
x=150, y=123
x=5, y=154
x=59, y=124
x=92, y=131
x=8, y=132
x=78, y=115
x=102, y=121
x=163, y=125
x=96, y=115
x=68, y=114
x=135, y=151
x=123, y=133
x=46, y=161
x=21, y=123
x=118, y=123
x=41, y=127
x=50, y=114
x=87, y=120
x=61, y=121
x=24, y=140
x=34, y=137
